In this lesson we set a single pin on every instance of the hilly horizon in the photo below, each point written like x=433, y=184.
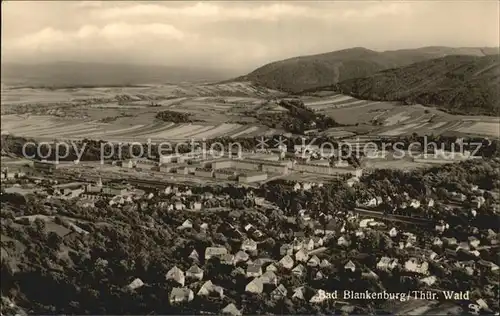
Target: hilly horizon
x=84, y=74
x=313, y=71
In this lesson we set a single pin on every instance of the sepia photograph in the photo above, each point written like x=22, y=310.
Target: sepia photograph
x=250, y=157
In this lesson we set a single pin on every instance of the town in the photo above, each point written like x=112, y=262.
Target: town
x=255, y=237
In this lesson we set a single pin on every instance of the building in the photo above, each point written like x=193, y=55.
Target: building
x=204, y=172
x=223, y=174
x=215, y=252
x=387, y=264
x=350, y=266
x=179, y=295
x=145, y=164
x=275, y=168
x=241, y=256
x=208, y=287
x=255, y=286
x=176, y=275
x=114, y=190
x=194, y=273
x=417, y=266
x=286, y=249
x=249, y=245
x=254, y=270
x=47, y=166
x=286, y=262
x=279, y=292
x=301, y=255
x=252, y=177
x=314, y=261
x=137, y=283
x=223, y=164
x=269, y=277
x=299, y=270
x=231, y=309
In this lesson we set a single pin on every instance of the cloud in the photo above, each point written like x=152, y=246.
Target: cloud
x=88, y=4
x=108, y=33
x=270, y=12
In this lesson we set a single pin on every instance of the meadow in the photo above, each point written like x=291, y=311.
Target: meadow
x=217, y=110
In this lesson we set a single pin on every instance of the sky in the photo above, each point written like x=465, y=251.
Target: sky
x=235, y=35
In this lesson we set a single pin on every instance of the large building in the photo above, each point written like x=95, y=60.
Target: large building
x=222, y=164
x=44, y=165
x=225, y=174
x=204, y=172
x=252, y=177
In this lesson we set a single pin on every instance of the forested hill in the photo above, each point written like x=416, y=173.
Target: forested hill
x=306, y=72
x=458, y=84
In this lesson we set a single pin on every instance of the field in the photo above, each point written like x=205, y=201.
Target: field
x=392, y=119
x=216, y=110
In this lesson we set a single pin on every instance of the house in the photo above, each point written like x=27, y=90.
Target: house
x=137, y=283
x=319, y=297
x=342, y=241
x=255, y=286
x=319, y=276
x=194, y=272
x=299, y=270
x=231, y=310
x=238, y=271
x=298, y=293
x=415, y=204
x=301, y=255
x=254, y=270
x=463, y=246
x=298, y=244
x=241, y=256
x=269, y=277
x=430, y=280
x=387, y=264
x=314, y=261
x=364, y=223
x=257, y=234
x=318, y=241
x=393, y=232
x=248, y=227
x=262, y=261
x=430, y=203
x=324, y=264
x=187, y=224
x=179, y=295
x=204, y=227
x=272, y=267
x=417, y=266
x=308, y=244
x=450, y=241
x=196, y=206
x=279, y=292
x=350, y=266
x=214, y=252
x=286, y=262
x=194, y=255
x=437, y=242
x=227, y=259
x=441, y=227
x=249, y=245
x=176, y=274
x=208, y=287
x=179, y=206
x=489, y=265
x=296, y=187
x=474, y=242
